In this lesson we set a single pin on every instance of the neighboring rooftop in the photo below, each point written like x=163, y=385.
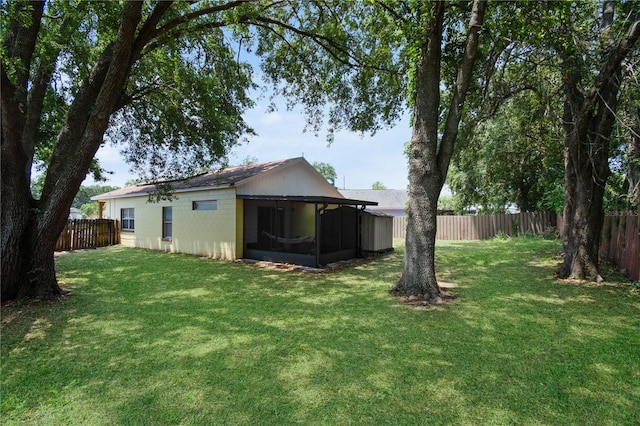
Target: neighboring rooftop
x=387, y=199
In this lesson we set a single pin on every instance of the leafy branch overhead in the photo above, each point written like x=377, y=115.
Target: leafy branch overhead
x=168, y=82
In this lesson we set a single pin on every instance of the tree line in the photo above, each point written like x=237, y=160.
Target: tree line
x=82, y=201
x=507, y=99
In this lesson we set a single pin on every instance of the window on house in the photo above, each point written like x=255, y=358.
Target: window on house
x=167, y=223
x=127, y=218
x=205, y=205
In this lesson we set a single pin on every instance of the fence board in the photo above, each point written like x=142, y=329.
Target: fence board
x=88, y=233
x=484, y=226
x=620, y=244
x=633, y=248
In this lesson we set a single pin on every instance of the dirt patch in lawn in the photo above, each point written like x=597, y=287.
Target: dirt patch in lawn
x=331, y=267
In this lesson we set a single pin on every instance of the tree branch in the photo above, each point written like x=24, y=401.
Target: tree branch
x=88, y=117
x=196, y=14
x=465, y=71
x=19, y=42
x=606, y=73
x=391, y=11
x=329, y=45
x=148, y=30
x=42, y=80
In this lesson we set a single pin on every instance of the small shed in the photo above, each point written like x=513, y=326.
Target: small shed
x=377, y=232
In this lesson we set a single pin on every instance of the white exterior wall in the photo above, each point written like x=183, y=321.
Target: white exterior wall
x=210, y=233
x=377, y=233
x=296, y=179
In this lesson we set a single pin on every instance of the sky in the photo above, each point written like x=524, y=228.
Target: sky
x=359, y=160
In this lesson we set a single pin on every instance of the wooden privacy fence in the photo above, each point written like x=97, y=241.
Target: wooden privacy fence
x=620, y=243
x=485, y=226
x=88, y=233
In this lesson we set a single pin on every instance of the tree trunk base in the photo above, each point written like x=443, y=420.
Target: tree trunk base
x=28, y=272
x=442, y=298
x=580, y=266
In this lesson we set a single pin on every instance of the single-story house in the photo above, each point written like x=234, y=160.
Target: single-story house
x=282, y=211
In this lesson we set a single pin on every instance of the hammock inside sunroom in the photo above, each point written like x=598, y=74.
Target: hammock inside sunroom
x=297, y=240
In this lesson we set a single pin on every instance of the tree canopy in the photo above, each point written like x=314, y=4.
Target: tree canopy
x=512, y=154
x=511, y=146
x=168, y=83
x=327, y=171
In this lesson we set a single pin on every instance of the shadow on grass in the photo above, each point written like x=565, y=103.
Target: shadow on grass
x=153, y=338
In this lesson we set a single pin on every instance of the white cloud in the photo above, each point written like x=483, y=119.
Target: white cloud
x=271, y=118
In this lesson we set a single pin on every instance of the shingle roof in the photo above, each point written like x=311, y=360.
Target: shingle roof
x=229, y=176
x=386, y=198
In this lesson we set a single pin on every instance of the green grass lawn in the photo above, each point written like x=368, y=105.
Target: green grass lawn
x=150, y=338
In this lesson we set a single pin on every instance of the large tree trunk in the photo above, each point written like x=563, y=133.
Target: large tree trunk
x=419, y=274
x=28, y=269
x=429, y=157
x=425, y=179
x=588, y=121
x=30, y=228
x=586, y=173
x=27, y=262
x=583, y=213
